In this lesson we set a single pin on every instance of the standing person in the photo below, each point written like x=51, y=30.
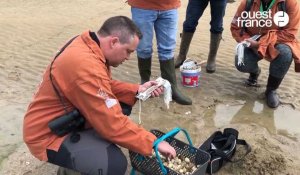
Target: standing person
x=77, y=87
x=277, y=44
x=161, y=17
x=194, y=12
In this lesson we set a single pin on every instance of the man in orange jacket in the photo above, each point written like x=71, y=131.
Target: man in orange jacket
x=77, y=86
x=278, y=43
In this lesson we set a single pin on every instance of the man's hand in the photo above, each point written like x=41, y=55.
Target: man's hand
x=148, y=84
x=166, y=150
x=253, y=44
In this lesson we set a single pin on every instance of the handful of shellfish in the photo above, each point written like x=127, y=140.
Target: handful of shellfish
x=180, y=164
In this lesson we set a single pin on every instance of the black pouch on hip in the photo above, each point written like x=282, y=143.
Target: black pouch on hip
x=67, y=123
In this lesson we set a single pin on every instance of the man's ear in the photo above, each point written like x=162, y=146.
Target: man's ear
x=114, y=40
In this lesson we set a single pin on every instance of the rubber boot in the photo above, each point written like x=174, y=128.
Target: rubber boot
x=186, y=38
x=66, y=171
x=213, y=49
x=144, y=69
x=252, y=80
x=271, y=95
x=168, y=72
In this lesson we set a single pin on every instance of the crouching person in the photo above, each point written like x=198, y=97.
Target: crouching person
x=278, y=43
x=76, y=118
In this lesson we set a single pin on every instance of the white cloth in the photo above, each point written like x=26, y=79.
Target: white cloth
x=240, y=47
x=167, y=93
x=239, y=51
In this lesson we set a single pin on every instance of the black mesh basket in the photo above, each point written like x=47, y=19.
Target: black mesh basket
x=150, y=165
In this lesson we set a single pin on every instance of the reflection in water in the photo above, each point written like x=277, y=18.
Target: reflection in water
x=258, y=107
x=284, y=120
x=287, y=121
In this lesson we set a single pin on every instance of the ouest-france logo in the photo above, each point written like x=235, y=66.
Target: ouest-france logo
x=262, y=19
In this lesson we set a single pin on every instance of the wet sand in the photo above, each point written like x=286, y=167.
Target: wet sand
x=32, y=31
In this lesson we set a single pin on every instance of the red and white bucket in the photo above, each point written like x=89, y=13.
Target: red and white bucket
x=190, y=73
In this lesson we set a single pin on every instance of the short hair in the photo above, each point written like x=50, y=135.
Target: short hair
x=120, y=26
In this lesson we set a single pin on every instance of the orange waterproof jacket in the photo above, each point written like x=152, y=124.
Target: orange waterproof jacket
x=84, y=81
x=155, y=4
x=274, y=34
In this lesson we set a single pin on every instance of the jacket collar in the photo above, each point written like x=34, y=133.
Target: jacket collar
x=85, y=36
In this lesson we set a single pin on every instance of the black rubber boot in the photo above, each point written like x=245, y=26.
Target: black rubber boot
x=65, y=171
x=144, y=69
x=252, y=80
x=213, y=49
x=271, y=95
x=186, y=38
x=168, y=72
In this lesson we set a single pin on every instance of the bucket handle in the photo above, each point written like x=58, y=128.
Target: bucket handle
x=196, y=63
x=189, y=59
x=171, y=133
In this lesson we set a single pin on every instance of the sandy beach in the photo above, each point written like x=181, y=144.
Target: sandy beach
x=32, y=31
